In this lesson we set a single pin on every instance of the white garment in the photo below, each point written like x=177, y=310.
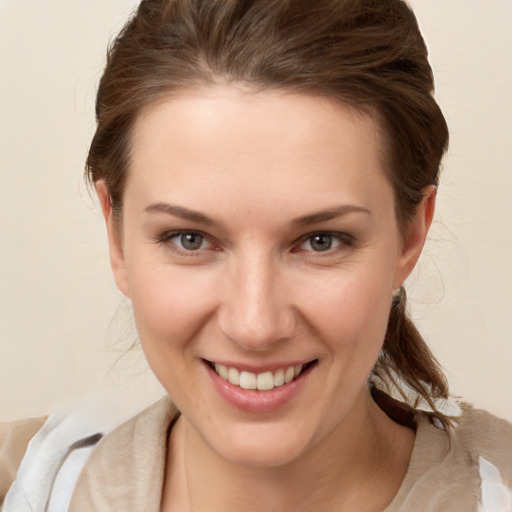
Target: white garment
x=57, y=453
x=496, y=496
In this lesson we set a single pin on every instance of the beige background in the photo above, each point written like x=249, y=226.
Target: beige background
x=64, y=327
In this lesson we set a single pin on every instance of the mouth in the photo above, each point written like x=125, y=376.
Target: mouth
x=263, y=381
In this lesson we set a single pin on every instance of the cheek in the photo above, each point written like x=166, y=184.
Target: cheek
x=170, y=304
x=351, y=309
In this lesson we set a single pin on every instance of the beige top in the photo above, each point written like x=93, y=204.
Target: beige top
x=448, y=472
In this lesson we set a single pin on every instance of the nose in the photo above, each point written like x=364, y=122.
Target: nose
x=256, y=312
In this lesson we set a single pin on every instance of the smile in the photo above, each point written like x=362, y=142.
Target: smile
x=264, y=381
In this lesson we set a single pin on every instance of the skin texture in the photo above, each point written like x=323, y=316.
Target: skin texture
x=255, y=169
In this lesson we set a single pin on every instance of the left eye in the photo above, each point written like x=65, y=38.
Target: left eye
x=321, y=242
x=189, y=241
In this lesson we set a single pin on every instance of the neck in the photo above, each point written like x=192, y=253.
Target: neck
x=340, y=473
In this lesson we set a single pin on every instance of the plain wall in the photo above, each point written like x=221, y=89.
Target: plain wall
x=64, y=327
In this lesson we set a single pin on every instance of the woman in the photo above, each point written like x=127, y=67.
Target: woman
x=267, y=171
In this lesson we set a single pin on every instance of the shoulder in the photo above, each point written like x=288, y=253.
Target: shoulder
x=480, y=434
x=465, y=468
x=45, y=459
x=14, y=439
x=49, y=455
x=135, y=451
x=488, y=440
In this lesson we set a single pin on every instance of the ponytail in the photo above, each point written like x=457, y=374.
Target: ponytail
x=407, y=359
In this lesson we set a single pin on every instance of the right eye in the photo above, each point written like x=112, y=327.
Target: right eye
x=186, y=241
x=190, y=241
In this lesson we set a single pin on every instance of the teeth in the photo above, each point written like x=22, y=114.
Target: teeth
x=263, y=381
x=234, y=376
x=222, y=371
x=279, y=377
x=247, y=380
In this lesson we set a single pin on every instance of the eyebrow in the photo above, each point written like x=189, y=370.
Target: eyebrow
x=330, y=213
x=313, y=218
x=180, y=211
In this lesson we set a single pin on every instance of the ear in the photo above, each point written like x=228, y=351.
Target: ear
x=415, y=235
x=115, y=246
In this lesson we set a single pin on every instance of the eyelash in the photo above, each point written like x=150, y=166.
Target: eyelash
x=343, y=240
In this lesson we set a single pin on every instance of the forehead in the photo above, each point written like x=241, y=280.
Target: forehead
x=244, y=111
x=256, y=146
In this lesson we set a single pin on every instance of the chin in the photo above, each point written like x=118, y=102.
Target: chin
x=261, y=446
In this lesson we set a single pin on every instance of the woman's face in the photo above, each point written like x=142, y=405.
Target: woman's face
x=258, y=235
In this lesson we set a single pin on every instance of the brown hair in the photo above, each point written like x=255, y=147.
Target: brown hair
x=366, y=53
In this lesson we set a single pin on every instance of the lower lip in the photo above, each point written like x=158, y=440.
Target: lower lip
x=252, y=400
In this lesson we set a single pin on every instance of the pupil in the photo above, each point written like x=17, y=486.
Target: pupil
x=321, y=242
x=191, y=241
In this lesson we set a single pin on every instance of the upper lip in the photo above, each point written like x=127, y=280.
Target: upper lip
x=260, y=368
